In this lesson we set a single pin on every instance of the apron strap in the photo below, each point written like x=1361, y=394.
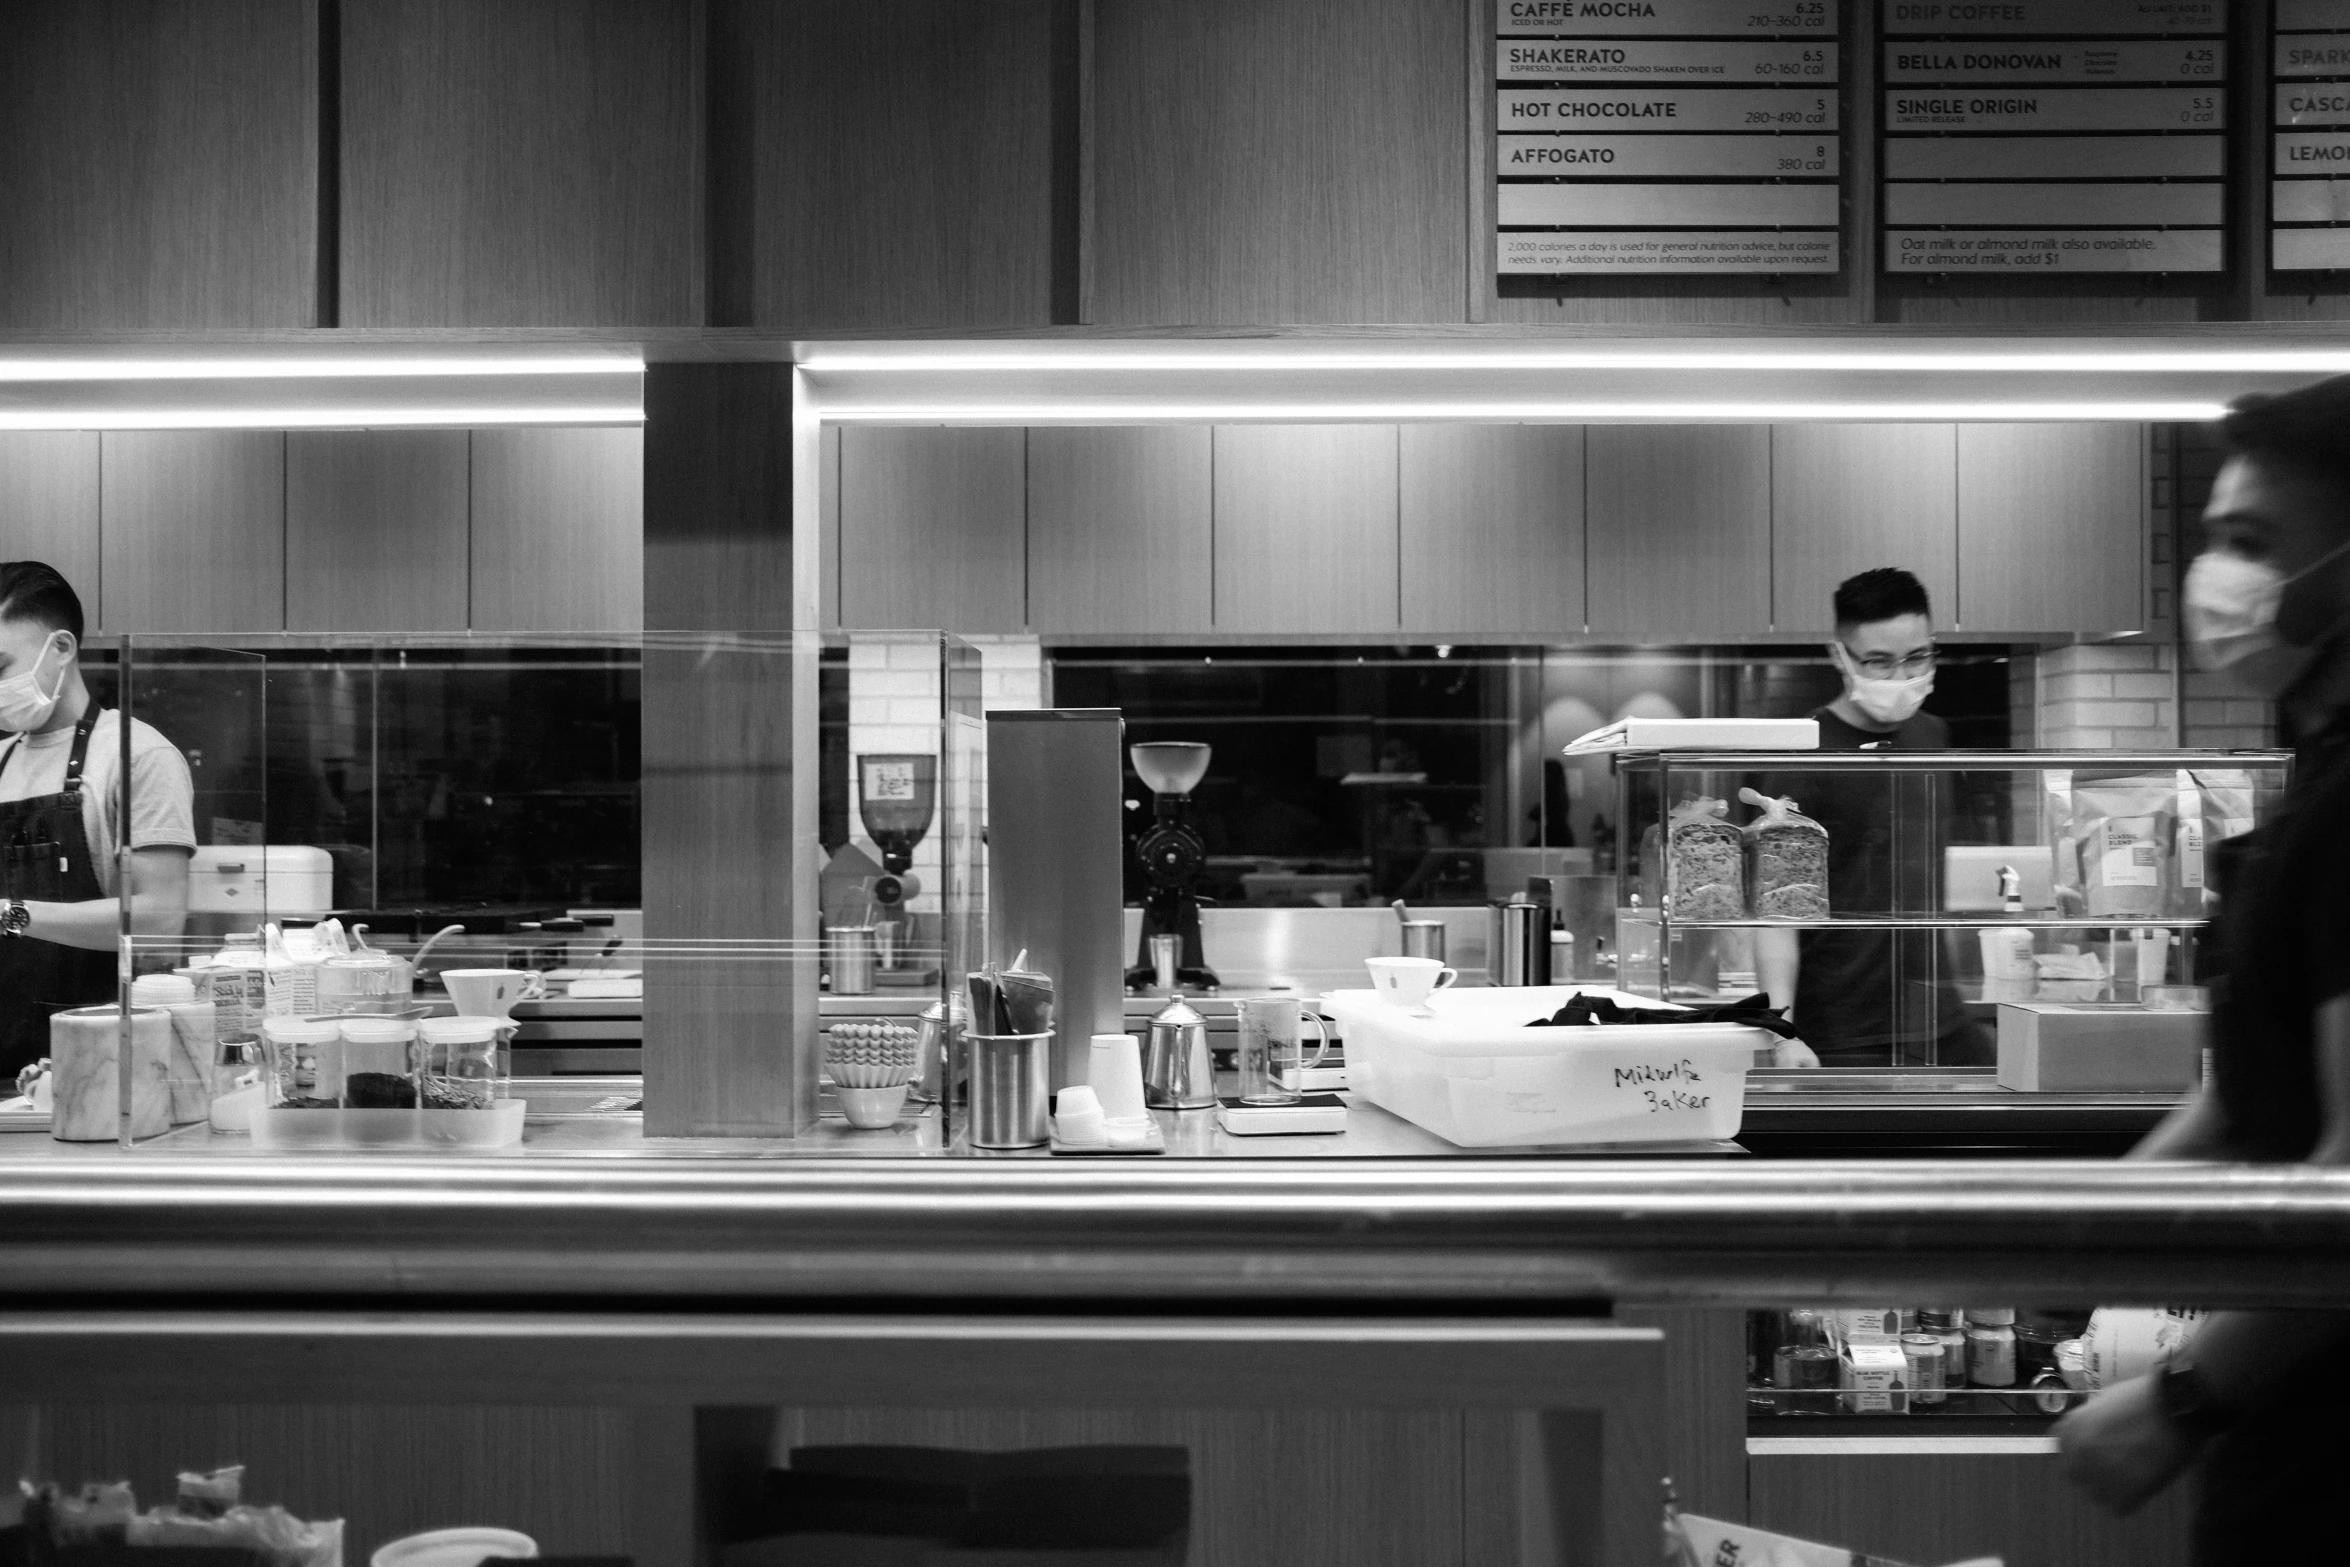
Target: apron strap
x=75, y=760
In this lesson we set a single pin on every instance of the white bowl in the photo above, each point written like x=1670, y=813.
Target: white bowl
x=872, y=1108
x=454, y=1548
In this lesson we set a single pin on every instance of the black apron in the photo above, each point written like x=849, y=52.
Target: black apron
x=45, y=856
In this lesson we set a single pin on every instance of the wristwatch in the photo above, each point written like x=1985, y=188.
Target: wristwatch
x=2184, y=1399
x=15, y=918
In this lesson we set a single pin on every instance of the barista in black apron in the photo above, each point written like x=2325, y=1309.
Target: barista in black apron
x=45, y=856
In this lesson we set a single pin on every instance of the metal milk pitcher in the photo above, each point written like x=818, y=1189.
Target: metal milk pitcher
x=1176, y=1071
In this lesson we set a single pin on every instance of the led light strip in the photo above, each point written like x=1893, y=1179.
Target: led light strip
x=308, y=418
x=2238, y=361
x=1113, y=412
x=296, y=369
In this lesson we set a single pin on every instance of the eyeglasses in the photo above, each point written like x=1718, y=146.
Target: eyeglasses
x=1883, y=666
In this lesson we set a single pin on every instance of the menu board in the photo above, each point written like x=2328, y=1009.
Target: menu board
x=2055, y=136
x=1668, y=136
x=2309, y=194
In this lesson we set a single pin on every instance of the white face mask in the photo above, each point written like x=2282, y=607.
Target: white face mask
x=2231, y=607
x=23, y=705
x=1894, y=700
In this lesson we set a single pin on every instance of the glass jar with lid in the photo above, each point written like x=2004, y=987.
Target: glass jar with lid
x=304, y=1056
x=457, y=1064
x=379, y=1070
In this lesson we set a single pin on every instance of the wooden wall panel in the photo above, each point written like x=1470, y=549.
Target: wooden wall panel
x=1306, y=528
x=903, y=171
x=157, y=164
x=558, y=535
x=192, y=530
x=1944, y=1507
x=1849, y=497
x=1259, y=163
x=933, y=525
x=1492, y=519
x=2051, y=527
x=520, y=163
x=1120, y=535
x=49, y=505
x=376, y=530
x=1679, y=523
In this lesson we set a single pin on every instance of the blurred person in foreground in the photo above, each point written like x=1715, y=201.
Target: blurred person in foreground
x=2255, y=1394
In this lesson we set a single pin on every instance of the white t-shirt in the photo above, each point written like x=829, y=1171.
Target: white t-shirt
x=163, y=797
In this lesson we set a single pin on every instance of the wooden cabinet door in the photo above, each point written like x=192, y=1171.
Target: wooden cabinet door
x=49, y=503
x=933, y=529
x=520, y=163
x=558, y=530
x=1306, y=528
x=901, y=164
x=1492, y=520
x=1846, y=498
x=158, y=164
x=1278, y=163
x=192, y=530
x=2051, y=527
x=377, y=531
x=1679, y=523
x=1120, y=531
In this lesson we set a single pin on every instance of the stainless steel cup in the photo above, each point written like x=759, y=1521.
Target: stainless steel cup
x=1521, y=943
x=1010, y=1089
x=855, y=953
x=1423, y=939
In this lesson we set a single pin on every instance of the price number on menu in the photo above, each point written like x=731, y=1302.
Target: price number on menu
x=1797, y=17
x=889, y=781
x=1798, y=164
x=1811, y=63
x=2202, y=109
x=2199, y=62
x=1817, y=114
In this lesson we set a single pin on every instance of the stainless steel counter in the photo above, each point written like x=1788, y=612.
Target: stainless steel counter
x=590, y=1211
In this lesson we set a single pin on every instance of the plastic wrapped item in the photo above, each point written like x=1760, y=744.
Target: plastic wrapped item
x=1787, y=861
x=1705, y=862
x=2114, y=838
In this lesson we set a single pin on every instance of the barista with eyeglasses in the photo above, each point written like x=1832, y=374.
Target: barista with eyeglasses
x=1871, y=998
x=62, y=820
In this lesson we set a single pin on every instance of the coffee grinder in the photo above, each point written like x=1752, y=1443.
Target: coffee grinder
x=1172, y=855
x=897, y=798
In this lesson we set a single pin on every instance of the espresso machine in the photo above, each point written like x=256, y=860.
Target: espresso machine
x=1172, y=855
x=897, y=798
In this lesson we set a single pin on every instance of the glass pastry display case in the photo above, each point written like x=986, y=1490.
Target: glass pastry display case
x=2040, y=914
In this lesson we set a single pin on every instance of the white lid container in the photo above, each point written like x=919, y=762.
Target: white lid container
x=303, y=1030
x=1474, y=1073
x=459, y=1030
x=377, y=1030
x=162, y=990
x=260, y=880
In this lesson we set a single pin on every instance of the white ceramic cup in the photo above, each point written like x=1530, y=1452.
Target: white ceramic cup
x=491, y=992
x=1408, y=982
x=1115, y=1075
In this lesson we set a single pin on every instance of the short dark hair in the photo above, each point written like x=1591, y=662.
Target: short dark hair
x=1882, y=594
x=33, y=590
x=2307, y=428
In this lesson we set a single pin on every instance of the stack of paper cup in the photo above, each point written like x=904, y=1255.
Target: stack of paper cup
x=194, y=1040
x=1115, y=1074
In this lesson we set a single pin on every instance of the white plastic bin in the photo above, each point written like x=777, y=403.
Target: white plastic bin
x=1475, y=1074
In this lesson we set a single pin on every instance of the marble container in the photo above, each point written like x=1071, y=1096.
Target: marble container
x=195, y=1039
x=84, y=1056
